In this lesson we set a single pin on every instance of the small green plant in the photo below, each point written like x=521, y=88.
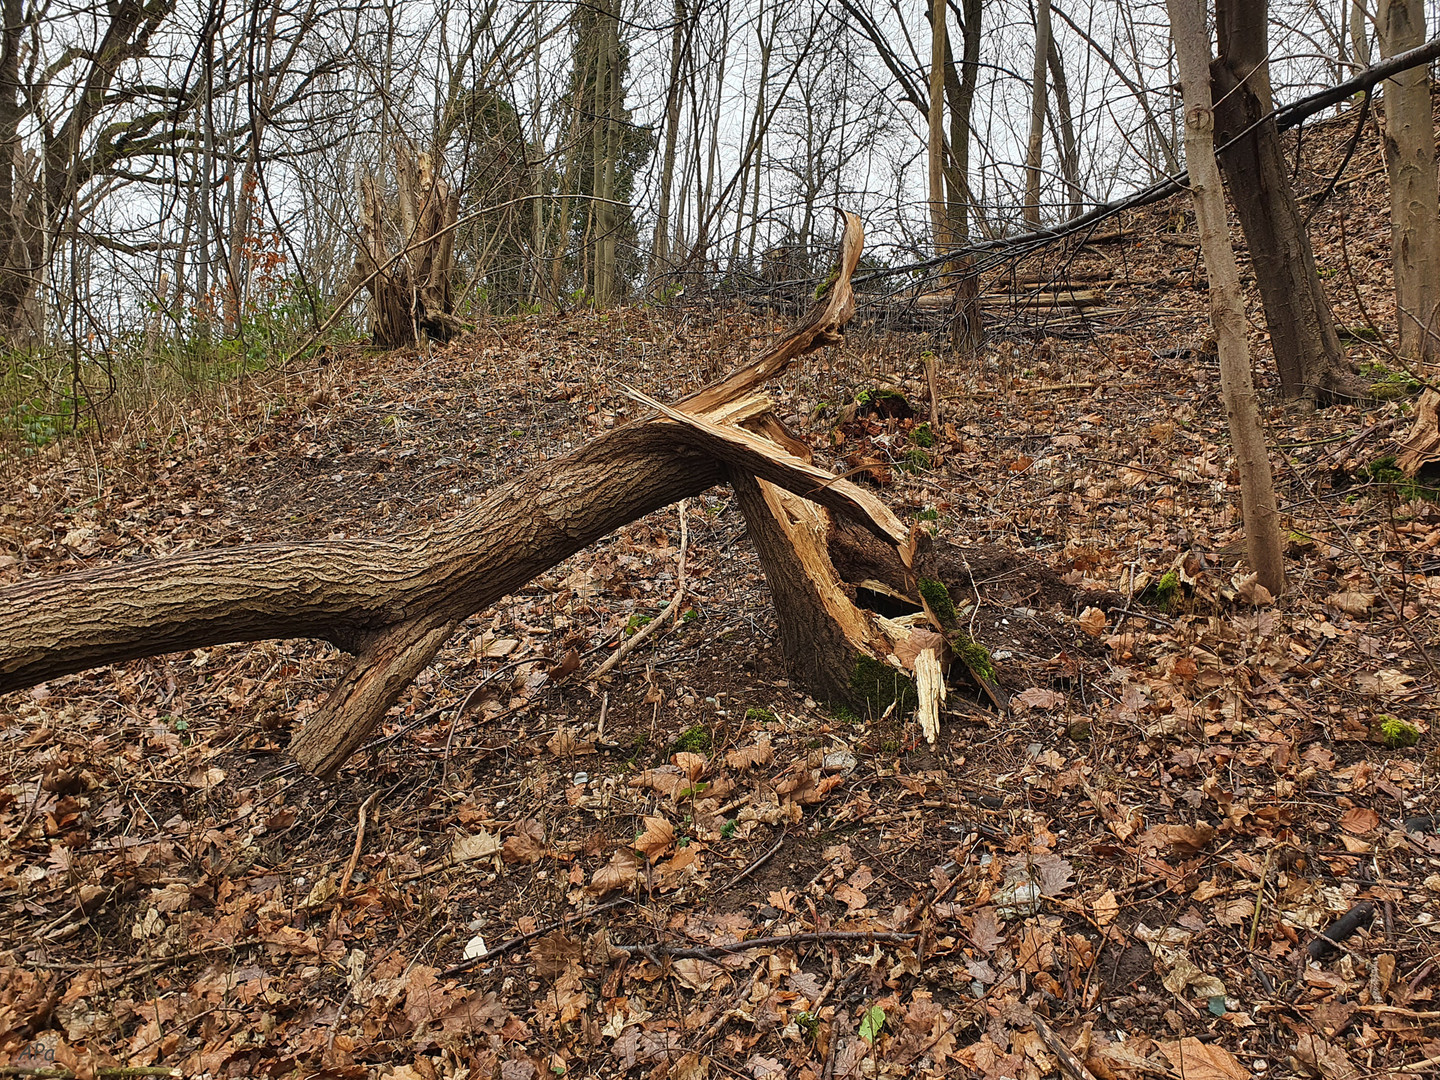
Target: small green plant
x=1395, y=733
x=1167, y=589
x=808, y=1023
x=1388, y=385
x=923, y=436
x=727, y=830
x=915, y=460
x=927, y=514
x=844, y=714
x=757, y=715
x=694, y=740
x=690, y=615
x=634, y=623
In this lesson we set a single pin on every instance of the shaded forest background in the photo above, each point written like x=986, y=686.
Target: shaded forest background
x=188, y=189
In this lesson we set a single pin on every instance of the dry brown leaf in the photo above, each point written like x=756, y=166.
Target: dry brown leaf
x=1107, y=908
x=1359, y=820
x=527, y=845
x=1180, y=839
x=659, y=834
x=850, y=896
x=914, y=643
x=1353, y=603
x=667, y=780
x=691, y=1066
x=1323, y=1059
x=986, y=931
x=1203, y=1061
x=1092, y=621
x=568, y=663
x=693, y=765
x=619, y=873
x=747, y=757
x=1038, y=698
x=565, y=743
x=474, y=846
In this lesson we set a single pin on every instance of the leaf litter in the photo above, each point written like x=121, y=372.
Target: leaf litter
x=531, y=874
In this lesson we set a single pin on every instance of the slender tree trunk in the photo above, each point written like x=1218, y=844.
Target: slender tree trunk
x=17, y=275
x=1297, y=313
x=1227, y=313
x=660, y=246
x=1359, y=35
x=1034, y=152
x=967, y=331
x=750, y=167
x=935, y=151
x=1161, y=143
x=1414, y=200
x=1414, y=220
x=609, y=93
x=1069, y=153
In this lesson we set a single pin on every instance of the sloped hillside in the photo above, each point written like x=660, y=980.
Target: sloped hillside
x=688, y=868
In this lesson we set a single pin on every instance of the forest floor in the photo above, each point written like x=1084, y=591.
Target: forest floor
x=1135, y=861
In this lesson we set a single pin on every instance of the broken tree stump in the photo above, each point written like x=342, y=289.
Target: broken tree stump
x=411, y=289
x=393, y=604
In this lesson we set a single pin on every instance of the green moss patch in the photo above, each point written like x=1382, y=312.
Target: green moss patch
x=881, y=686
x=937, y=596
x=976, y=656
x=695, y=740
x=1395, y=733
x=1166, y=589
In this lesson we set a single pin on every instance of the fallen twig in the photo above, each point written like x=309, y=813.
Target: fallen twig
x=710, y=952
x=520, y=939
x=669, y=615
x=359, y=841
x=757, y=864
x=1069, y=1063
x=53, y=1072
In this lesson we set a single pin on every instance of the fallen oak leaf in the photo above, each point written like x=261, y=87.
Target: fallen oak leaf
x=659, y=834
x=619, y=873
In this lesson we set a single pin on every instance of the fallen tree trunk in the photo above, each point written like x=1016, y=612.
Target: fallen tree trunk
x=394, y=604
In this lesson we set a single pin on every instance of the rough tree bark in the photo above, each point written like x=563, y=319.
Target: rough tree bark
x=411, y=295
x=1227, y=306
x=393, y=604
x=1414, y=218
x=1302, y=332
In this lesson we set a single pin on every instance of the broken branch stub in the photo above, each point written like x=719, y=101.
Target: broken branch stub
x=394, y=603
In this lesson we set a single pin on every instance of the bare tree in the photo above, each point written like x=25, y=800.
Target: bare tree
x=1302, y=331
x=1227, y=311
x=1414, y=218
x=1035, y=147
